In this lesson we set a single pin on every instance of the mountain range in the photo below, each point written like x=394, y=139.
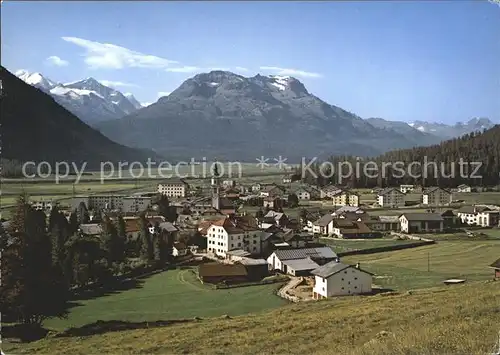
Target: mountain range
x=228, y=116
x=450, y=131
x=88, y=99
x=37, y=128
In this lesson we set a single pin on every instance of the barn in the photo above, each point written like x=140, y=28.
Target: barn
x=222, y=273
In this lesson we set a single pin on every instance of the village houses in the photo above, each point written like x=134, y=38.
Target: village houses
x=338, y=279
x=406, y=188
x=436, y=196
x=464, y=188
x=479, y=216
x=421, y=222
x=227, y=234
x=173, y=188
x=300, y=262
x=391, y=197
x=345, y=198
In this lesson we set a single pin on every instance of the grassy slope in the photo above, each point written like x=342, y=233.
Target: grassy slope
x=463, y=319
x=340, y=245
x=407, y=269
x=173, y=294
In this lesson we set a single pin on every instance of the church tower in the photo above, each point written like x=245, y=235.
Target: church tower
x=215, y=188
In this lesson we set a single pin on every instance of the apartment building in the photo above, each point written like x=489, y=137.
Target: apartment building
x=436, y=196
x=134, y=204
x=391, y=197
x=227, y=234
x=105, y=202
x=173, y=188
x=345, y=198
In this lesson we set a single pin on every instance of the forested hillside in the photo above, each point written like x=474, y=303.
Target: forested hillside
x=36, y=128
x=473, y=159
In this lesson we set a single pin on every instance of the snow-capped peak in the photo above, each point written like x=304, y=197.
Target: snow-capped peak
x=88, y=99
x=280, y=81
x=133, y=100
x=35, y=79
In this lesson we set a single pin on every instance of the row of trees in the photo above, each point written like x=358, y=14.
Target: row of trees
x=44, y=259
x=473, y=159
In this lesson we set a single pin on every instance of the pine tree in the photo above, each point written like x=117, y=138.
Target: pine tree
x=121, y=226
x=112, y=243
x=32, y=287
x=83, y=214
x=73, y=223
x=59, y=231
x=165, y=210
x=145, y=239
x=97, y=217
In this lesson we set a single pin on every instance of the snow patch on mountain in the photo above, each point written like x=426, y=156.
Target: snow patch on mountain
x=88, y=99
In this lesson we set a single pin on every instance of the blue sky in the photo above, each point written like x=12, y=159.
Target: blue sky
x=400, y=60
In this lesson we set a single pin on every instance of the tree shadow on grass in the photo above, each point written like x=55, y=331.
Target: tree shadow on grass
x=101, y=327
x=23, y=332
x=108, y=289
x=383, y=290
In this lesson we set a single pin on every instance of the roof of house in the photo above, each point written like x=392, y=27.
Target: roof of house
x=496, y=264
x=349, y=209
x=266, y=235
x=91, y=228
x=472, y=209
x=332, y=268
x=388, y=219
x=331, y=188
x=273, y=214
x=313, y=216
x=315, y=253
x=448, y=213
x=296, y=236
x=238, y=252
x=388, y=190
x=301, y=264
x=133, y=224
x=173, y=181
x=179, y=245
x=234, y=226
x=250, y=261
x=218, y=269
x=423, y=217
x=353, y=216
x=342, y=222
x=430, y=190
x=169, y=227
x=203, y=226
x=269, y=188
x=355, y=228
x=324, y=221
